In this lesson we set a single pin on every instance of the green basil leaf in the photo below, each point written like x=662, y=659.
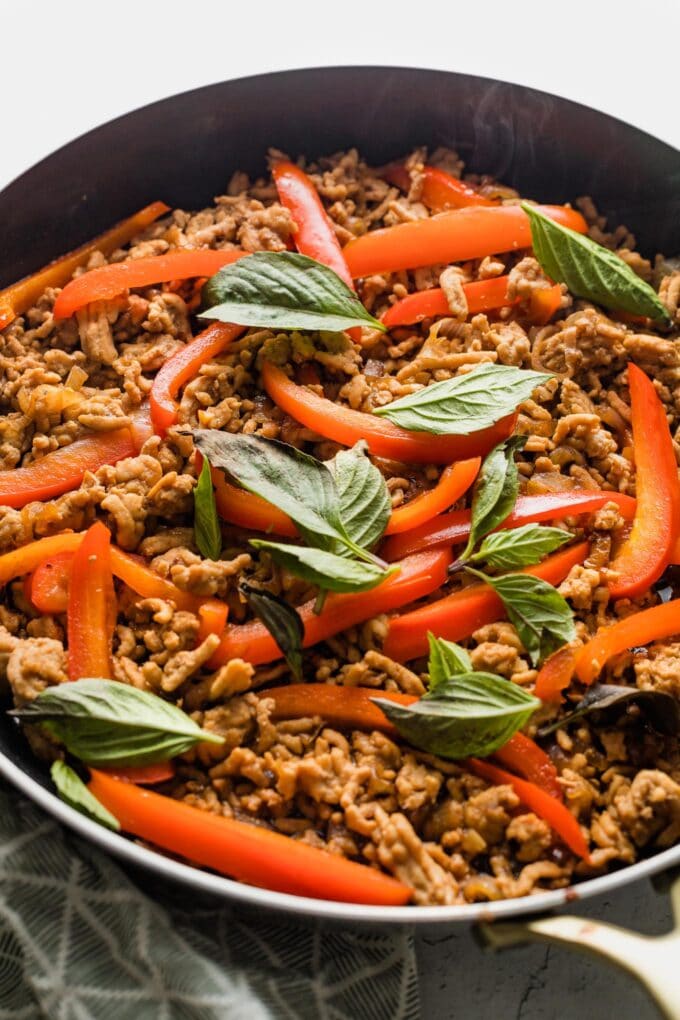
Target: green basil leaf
x=542, y=618
x=283, y=623
x=283, y=290
x=207, y=533
x=590, y=270
x=466, y=403
x=104, y=722
x=662, y=710
x=446, y=660
x=365, y=504
x=495, y=490
x=471, y=714
x=325, y=569
x=291, y=480
x=72, y=791
x=520, y=547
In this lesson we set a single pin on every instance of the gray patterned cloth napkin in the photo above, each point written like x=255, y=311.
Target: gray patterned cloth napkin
x=80, y=940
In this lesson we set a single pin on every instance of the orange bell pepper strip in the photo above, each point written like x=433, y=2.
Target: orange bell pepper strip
x=454, y=528
x=315, y=236
x=459, y=615
x=90, y=616
x=247, y=510
x=455, y=480
x=143, y=775
x=18, y=298
x=213, y=616
x=547, y=807
x=418, y=576
x=481, y=296
x=250, y=853
x=662, y=621
x=454, y=236
x=647, y=551
x=440, y=190
x=346, y=426
x=182, y=367
x=544, y=303
x=555, y=674
x=107, y=282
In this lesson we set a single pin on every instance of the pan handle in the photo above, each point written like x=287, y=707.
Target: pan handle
x=654, y=961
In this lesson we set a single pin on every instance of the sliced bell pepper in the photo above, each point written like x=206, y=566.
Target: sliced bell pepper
x=547, y=807
x=213, y=616
x=47, y=587
x=481, y=296
x=454, y=236
x=346, y=426
x=440, y=190
x=90, y=616
x=555, y=674
x=18, y=298
x=107, y=282
x=647, y=551
x=455, y=480
x=142, y=775
x=523, y=755
x=544, y=302
x=250, y=511
x=418, y=576
x=653, y=624
x=315, y=236
x=182, y=367
x=457, y=616
x=454, y=528
x=249, y=853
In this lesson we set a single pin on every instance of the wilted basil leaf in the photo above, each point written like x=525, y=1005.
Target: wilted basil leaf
x=325, y=569
x=589, y=270
x=283, y=623
x=207, y=533
x=108, y=723
x=495, y=490
x=520, y=547
x=283, y=290
x=471, y=714
x=72, y=791
x=446, y=660
x=466, y=403
x=662, y=710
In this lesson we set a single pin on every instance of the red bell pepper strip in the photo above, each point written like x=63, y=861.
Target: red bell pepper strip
x=522, y=755
x=249, y=853
x=455, y=480
x=142, y=775
x=547, y=807
x=18, y=298
x=454, y=528
x=544, y=302
x=646, y=552
x=555, y=674
x=107, y=282
x=481, y=295
x=384, y=439
x=47, y=587
x=247, y=510
x=315, y=236
x=653, y=624
x=454, y=236
x=440, y=190
x=213, y=616
x=90, y=615
x=418, y=576
x=457, y=616
x=182, y=367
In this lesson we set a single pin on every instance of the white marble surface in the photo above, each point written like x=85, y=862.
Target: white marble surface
x=67, y=67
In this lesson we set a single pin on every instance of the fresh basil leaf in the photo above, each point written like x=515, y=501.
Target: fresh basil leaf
x=495, y=490
x=283, y=290
x=590, y=270
x=466, y=403
x=471, y=714
x=365, y=504
x=283, y=623
x=104, y=722
x=542, y=618
x=207, y=532
x=72, y=791
x=662, y=710
x=325, y=569
x=520, y=547
x=446, y=660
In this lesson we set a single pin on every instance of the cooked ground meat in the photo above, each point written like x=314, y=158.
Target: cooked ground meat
x=449, y=834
